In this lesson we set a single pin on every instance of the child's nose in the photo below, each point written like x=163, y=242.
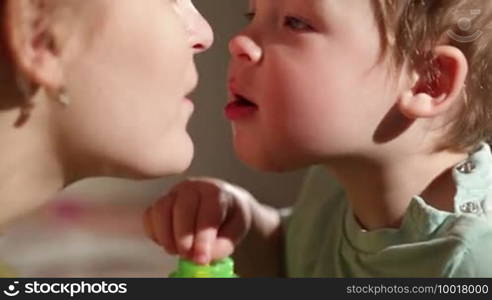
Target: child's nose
x=245, y=48
x=201, y=34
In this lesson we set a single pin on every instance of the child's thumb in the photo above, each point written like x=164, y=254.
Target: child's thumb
x=222, y=248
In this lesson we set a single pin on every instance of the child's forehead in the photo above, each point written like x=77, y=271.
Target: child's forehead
x=298, y=3
x=321, y=7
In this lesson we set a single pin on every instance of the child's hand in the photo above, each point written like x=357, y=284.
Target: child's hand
x=201, y=219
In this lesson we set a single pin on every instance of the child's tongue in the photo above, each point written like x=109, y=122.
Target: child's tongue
x=244, y=102
x=240, y=108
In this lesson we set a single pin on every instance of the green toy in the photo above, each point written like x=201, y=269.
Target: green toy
x=223, y=268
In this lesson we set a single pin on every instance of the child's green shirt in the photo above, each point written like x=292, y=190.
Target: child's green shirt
x=323, y=239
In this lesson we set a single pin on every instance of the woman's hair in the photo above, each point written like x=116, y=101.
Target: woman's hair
x=410, y=30
x=9, y=87
x=5, y=54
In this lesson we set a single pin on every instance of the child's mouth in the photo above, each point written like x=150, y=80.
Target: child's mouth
x=240, y=108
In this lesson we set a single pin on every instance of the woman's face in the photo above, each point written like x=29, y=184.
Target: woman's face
x=128, y=68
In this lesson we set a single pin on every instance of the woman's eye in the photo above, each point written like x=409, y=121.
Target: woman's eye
x=297, y=24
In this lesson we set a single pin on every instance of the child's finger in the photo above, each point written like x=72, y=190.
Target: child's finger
x=202, y=247
x=231, y=233
x=210, y=216
x=184, y=218
x=148, y=226
x=163, y=223
x=222, y=247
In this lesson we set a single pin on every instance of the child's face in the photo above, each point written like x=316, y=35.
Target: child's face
x=312, y=69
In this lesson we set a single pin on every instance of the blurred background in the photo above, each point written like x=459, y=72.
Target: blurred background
x=93, y=229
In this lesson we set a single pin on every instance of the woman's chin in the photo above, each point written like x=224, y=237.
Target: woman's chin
x=173, y=164
x=155, y=164
x=166, y=170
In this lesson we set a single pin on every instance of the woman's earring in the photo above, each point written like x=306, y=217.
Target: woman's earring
x=63, y=97
x=26, y=108
x=23, y=86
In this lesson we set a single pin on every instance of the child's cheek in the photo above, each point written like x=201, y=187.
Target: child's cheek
x=303, y=105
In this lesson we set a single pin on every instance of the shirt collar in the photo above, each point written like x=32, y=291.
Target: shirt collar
x=422, y=220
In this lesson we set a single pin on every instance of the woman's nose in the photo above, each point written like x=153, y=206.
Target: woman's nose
x=201, y=34
x=245, y=48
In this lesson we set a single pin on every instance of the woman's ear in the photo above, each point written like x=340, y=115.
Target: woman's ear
x=33, y=46
x=430, y=96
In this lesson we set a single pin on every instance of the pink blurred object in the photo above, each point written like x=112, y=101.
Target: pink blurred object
x=68, y=209
x=71, y=237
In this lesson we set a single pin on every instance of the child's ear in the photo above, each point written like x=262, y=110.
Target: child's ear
x=32, y=43
x=430, y=96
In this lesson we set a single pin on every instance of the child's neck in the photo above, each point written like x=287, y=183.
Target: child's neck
x=380, y=191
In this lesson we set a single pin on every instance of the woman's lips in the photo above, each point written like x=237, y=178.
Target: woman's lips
x=237, y=110
x=187, y=99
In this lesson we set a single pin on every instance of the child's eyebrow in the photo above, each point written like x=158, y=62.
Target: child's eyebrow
x=251, y=5
x=318, y=8
x=321, y=9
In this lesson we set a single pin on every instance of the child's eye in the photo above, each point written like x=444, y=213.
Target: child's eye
x=297, y=24
x=250, y=16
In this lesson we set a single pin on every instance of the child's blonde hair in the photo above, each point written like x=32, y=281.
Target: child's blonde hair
x=411, y=28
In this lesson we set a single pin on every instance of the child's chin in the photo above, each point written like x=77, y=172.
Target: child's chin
x=265, y=164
